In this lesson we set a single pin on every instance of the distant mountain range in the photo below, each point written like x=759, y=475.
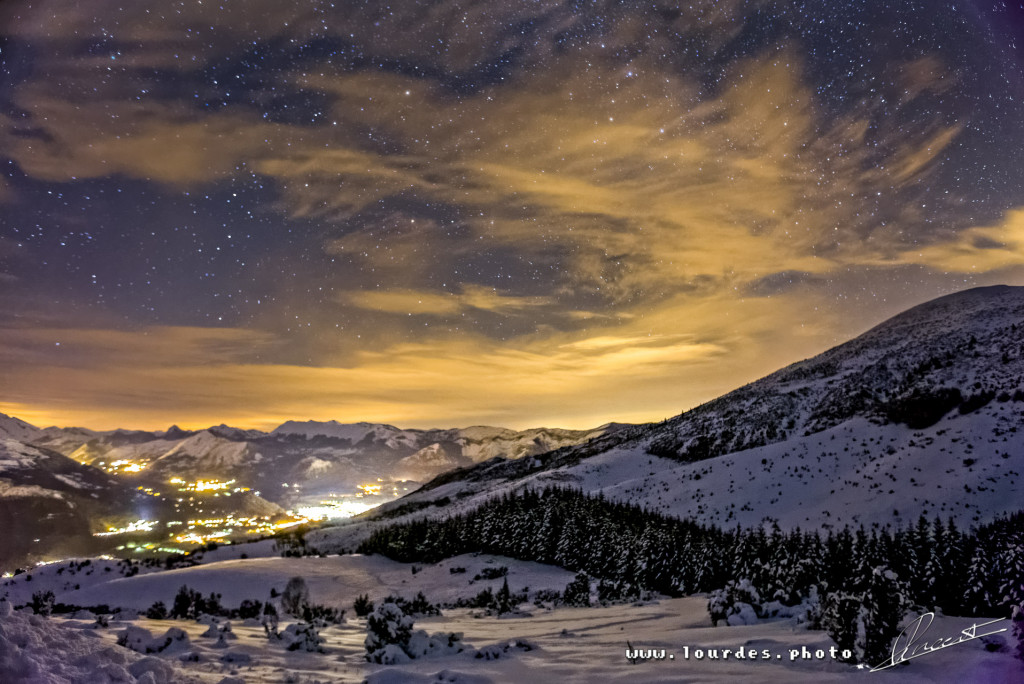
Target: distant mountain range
x=45, y=473
x=308, y=454
x=923, y=414
x=48, y=501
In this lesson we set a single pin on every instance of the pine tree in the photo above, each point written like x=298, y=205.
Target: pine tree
x=577, y=592
x=839, y=619
x=503, y=599
x=1017, y=619
x=882, y=609
x=386, y=626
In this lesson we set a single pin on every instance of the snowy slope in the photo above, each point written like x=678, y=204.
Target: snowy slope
x=49, y=501
x=823, y=442
x=573, y=645
x=15, y=428
x=205, y=452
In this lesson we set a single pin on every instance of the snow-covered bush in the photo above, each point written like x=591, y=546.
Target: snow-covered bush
x=391, y=640
x=419, y=606
x=1017, y=618
x=142, y=640
x=545, y=598
x=295, y=597
x=738, y=603
x=810, y=610
x=386, y=626
x=577, y=592
x=269, y=620
x=190, y=604
x=496, y=651
x=249, y=608
x=422, y=646
x=839, y=619
x=322, y=615
x=223, y=632
x=883, y=607
x=363, y=606
x=303, y=636
x=42, y=602
x=157, y=611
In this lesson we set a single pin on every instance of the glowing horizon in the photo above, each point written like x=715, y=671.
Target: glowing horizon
x=526, y=215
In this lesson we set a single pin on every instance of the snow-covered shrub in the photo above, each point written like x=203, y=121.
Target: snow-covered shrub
x=391, y=654
x=42, y=602
x=1017, y=619
x=157, y=611
x=303, y=636
x=142, y=640
x=419, y=606
x=738, y=603
x=421, y=645
x=839, y=619
x=810, y=610
x=492, y=573
x=322, y=615
x=295, y=597
x=883, y=607
x=386, y=626
x=496, y=651
x=544, y=597
x=577, y=592
x=270, y=620
x=249, y=608
x=222, y=632
x=190, y=604
x=391, y=640
x=363, y=606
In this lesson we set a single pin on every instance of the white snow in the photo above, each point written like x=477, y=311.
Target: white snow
x=572, y=645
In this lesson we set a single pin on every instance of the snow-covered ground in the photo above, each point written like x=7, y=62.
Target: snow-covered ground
x=334, y=580
x=562, y=645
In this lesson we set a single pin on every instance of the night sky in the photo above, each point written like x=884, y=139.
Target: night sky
x=438, y=214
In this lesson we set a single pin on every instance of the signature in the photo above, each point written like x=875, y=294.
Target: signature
x=911, y=643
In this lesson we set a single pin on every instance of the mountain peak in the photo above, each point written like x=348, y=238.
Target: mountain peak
x=15, y=428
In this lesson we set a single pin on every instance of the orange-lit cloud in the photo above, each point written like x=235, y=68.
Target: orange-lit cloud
x=196, y=378
x=667, y=238
x=413, y=302
x=977, y=250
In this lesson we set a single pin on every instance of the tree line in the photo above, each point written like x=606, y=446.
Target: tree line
x=929, y=566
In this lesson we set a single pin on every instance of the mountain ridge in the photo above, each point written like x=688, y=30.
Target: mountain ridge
x=877, y=424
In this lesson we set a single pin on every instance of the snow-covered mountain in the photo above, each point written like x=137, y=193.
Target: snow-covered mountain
x=14, y=428
x=48, y=500
x=920, y=415
x=306, y=455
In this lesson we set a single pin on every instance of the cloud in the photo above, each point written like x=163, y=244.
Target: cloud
x=976, y=250
x=412, y=302
x=649, y=188
x=586, y=222
x=152, y=377
x=634, y=178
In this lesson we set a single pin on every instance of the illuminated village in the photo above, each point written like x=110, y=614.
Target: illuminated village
x=194, y=513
